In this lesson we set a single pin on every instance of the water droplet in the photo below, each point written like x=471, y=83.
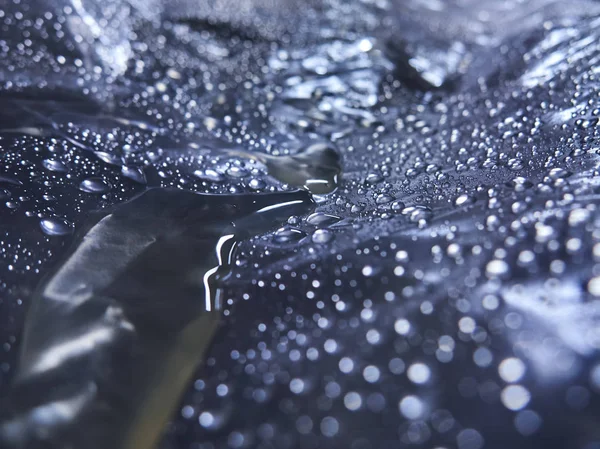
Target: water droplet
x=352, y=401
x=321, y=219
x=463, y=200
x=209, y=175
x=402, y=326
x=56, y=226
x=527, y=422
x=357, y=208
x=134, y=173
x=411, y=407
x=402, y=256
x=497, y=268
x=7, y=179
x=418, y=373
x=297, y=386
x=511, y=369
x=285, y=235
x=94, y=185
x=54, y=165
x=371, y=374
x=417, y=213
x=329, y=426
x=469, y=439
x=515, y=397
x=521, y=184
x=109, y=158
x=237, y=172
x=256, y=184
x=322, y=236
x=593, y=286
x=559, y=173
x=397, y=206
x=383, y=198
x=373, y=178
x=210, y=420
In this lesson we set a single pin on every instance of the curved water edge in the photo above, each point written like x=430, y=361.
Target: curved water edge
x=114, y=334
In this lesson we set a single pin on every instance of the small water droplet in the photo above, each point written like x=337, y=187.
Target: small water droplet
x=515, y=397
x=374, y=178
x=411, y=407
x=383, y=198
x=463, y=200
x=256, y=184
x=558, y=173
x=397, y=206
x=417, y=213
x=356, y=208
x=497, y=268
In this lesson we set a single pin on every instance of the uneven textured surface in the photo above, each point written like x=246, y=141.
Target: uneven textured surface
x=446, y=295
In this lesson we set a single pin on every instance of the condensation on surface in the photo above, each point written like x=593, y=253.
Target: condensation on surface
x=444, y=295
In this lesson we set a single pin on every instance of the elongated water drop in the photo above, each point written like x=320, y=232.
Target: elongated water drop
x=94, y=185
x=56, y=226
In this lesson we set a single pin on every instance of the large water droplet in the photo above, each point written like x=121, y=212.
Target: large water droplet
x=94, y=185
x=286, y=235
x=321, y=219
x=322, y=236
x=237, y=172
x=56, y=226
x=109, y=158
x=134, y=173
x=7, y=179
x=209, y=175
x=54, y=165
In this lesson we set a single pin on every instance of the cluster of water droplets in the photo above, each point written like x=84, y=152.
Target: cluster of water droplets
x=447, y=287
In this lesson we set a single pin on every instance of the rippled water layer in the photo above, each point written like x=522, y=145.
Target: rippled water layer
x=444, y=291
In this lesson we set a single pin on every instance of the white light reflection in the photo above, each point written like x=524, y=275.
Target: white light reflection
x=277, y=206
x=73, y=347
x=209, y=273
